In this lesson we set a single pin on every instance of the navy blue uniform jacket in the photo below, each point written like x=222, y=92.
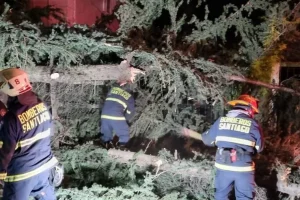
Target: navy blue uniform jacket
x=240, y=132
x=118, y=105
x=25, y=149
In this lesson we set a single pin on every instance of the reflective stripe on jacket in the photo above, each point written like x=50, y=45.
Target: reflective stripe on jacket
x=118, y=105
x=240, y=132
x=25, y=142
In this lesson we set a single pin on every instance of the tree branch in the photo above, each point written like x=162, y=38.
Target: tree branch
x=78, y=75
x=267, y=85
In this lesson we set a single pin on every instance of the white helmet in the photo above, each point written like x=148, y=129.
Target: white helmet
x=14, y=81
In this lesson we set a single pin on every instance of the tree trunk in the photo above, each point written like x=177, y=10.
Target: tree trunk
x=98, y=73
x=144, y=160
x=180, y=167
x=78, y=75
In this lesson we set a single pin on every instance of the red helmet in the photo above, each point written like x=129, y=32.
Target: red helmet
x=246, y=100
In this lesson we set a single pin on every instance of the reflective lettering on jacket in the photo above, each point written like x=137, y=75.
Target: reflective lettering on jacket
x=235, y=124
x=118, y=105
x=241, y=132
x=25, y=149
x=34, y=117
x=120, y=92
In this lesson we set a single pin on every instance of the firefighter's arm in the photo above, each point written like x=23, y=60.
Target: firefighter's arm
x=8, y=142
x=130, y=110
x=258, y=134
x=209, y=136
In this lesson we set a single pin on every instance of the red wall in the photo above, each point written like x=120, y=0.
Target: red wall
x=78, y=11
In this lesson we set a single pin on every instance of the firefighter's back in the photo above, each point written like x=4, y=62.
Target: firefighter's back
x=115, y=103
x=34, y=130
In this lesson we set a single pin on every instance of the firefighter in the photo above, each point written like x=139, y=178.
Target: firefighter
x=118, y=109
x=26, y=159
x=238, y=138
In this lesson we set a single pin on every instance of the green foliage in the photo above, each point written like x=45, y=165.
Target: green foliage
x=163, y=104
x=137, y=13
x=90, y=164
x=87, y=165
x=262, y=67
x=98, y=192
x=26, y=46
x=252, y=34
x=171, y=78
x=169, y=85
x=251, y=31
x=105, y=178
x=193, y=177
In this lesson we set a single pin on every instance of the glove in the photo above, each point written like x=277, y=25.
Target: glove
x=56, y=175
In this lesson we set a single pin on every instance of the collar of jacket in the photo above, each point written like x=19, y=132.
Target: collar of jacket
x=235, y=113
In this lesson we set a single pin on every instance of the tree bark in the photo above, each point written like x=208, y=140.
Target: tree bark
x=98, y=73
x=190, y=133
x=144, y=160
x=179, y=167
x=78, y=75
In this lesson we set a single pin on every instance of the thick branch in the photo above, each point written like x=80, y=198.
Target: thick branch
x=100, y=73
x=78, y=75
x=267, y=85
x=144, y=160
x=180, y=167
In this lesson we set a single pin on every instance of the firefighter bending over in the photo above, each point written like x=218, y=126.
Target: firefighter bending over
x=238, y=138
x=118, y=109
x=26, y=159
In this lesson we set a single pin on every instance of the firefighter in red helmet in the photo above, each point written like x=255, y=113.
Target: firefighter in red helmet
x=238, y=138
x=250, y=102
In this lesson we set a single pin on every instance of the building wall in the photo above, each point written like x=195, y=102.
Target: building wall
x=77, y=11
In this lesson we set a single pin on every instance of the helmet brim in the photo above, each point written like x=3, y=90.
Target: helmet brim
x=241, y=102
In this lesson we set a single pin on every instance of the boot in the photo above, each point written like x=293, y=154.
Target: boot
x=107, y=145
x=121, y=146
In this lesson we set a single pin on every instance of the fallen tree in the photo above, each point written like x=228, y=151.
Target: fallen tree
x=162, y=163
x=160, y=175
x=88, y=164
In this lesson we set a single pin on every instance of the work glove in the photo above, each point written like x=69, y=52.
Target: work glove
x=56, y=175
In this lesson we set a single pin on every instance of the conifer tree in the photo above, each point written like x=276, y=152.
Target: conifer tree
x=188, y=52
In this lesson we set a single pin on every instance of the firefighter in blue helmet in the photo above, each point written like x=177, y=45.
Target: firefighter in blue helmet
x=26, y=159
x=118, y=109
x=238, y=138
